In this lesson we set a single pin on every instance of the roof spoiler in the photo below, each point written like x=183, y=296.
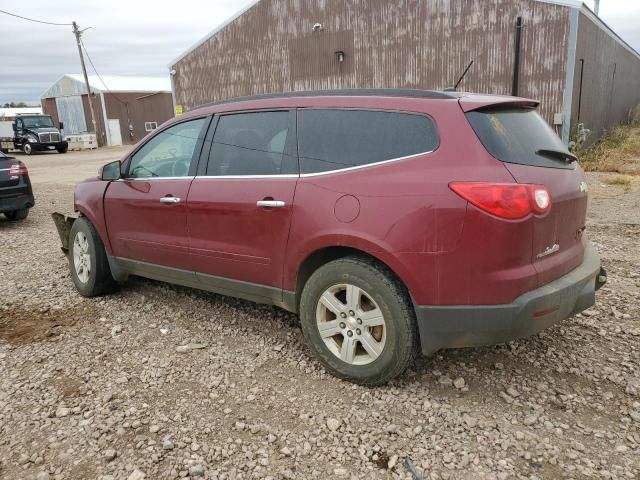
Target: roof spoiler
x=478, y=102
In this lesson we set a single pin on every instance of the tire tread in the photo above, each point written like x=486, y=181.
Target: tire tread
x=398, y=293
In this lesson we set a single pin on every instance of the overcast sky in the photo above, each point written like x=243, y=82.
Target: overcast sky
x=141, y=37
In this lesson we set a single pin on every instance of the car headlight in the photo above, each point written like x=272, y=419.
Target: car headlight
x=31, y=139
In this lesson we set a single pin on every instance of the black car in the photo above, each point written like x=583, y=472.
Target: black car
x=16, y=194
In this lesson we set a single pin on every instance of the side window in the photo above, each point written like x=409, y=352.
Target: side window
x=338, y=139
x=169, y=153
x=252, y=144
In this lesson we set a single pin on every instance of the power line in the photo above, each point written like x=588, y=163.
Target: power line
x=98, y=75
x=36, y=21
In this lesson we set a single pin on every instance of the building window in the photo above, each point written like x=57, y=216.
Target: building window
x=150, y=126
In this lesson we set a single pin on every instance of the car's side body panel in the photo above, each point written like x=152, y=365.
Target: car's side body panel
x=142, y=228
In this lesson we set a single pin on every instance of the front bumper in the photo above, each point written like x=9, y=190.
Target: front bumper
x=16, y=202
x=476, y=325
x=49, y=146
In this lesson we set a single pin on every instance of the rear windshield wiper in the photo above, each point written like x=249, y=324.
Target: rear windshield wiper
x=558, y=155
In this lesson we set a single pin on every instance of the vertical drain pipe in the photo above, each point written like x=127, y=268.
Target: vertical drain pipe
x=516, y=63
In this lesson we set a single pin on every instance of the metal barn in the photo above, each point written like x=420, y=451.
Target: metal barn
x=556, y=51
x=124, y=112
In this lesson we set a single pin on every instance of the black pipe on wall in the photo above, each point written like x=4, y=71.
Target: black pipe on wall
x=516, y=63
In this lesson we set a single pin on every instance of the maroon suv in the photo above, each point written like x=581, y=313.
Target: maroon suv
x=392, y=221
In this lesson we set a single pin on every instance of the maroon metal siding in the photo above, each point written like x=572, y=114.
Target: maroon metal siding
x=101, y=134
x=49, y=108
x=407, y=43
x=135, y=109
x=610, y=79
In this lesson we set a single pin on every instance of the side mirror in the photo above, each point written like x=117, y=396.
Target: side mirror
x=111, y=171
x=60, y=126
x=15, y=127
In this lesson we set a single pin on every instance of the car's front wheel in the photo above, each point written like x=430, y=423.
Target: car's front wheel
x=62, y=149
x=17, y=214
x=27, y=148
x=359, y=321
x=88, y=260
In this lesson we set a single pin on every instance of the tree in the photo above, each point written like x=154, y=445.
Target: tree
x=15, y=105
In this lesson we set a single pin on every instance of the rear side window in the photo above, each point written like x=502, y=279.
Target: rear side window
x=338, y=139
x=252, y=144
x=519, y=136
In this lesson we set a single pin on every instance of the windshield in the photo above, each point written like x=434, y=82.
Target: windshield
x=37, y=121
x=518, y=135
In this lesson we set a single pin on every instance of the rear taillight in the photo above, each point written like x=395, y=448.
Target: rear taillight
x=512, y=201
x=17, y=169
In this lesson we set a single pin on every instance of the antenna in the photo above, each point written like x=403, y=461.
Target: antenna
x=464, y=74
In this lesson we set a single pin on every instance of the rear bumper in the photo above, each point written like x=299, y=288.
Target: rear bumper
x=18, y=202
x=475, y=325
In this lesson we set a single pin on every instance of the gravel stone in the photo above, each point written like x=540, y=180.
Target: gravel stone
x=196, y=471
x=333, y=424
x=110, y=454
x=137, y=475
x=62, y=412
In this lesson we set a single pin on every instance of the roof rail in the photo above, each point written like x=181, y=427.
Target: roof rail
x=344, y=92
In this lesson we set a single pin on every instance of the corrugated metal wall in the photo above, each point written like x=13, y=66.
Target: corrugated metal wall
x=137, y=108
x=71, y=113
x=407, y=43
x=607, y=79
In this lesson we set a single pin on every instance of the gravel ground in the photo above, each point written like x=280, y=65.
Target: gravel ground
x=98, y=388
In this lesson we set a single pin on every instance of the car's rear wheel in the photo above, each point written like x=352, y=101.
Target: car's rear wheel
x=90, y=270
x=27, y=148
x=359, y=320
x=17, y=214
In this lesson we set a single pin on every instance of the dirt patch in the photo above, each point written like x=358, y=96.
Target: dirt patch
x=21, y=325
x=68, y=387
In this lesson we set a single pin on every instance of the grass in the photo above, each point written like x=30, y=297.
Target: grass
x=618, y=152
x=623, y=180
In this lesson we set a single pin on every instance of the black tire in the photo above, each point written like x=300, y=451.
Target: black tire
x=401, y=345
x=27, y=148
x=17, y=214
x=99, y=279
x=62, y=149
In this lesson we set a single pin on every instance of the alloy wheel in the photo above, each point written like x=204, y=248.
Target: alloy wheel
x=81, y=257
x=351, y=324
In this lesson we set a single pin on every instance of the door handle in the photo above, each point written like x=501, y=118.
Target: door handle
x=271, y=203
x=170, y=200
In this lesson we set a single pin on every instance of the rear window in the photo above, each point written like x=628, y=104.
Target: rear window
x=518, y=136
x=338, y=139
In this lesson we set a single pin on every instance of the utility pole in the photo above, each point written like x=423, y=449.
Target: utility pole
x=596, y=7
x=78, y=33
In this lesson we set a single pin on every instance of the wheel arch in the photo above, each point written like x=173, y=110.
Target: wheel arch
x=89, y=202
x=329, y=253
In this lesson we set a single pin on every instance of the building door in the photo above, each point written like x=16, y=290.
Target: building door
x=146, y=211
x=240, y=211
x=115, y=135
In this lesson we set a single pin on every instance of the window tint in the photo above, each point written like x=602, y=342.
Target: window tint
x=517, y=136
x=251, y=144
x=169, y=153
x=337, y=139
